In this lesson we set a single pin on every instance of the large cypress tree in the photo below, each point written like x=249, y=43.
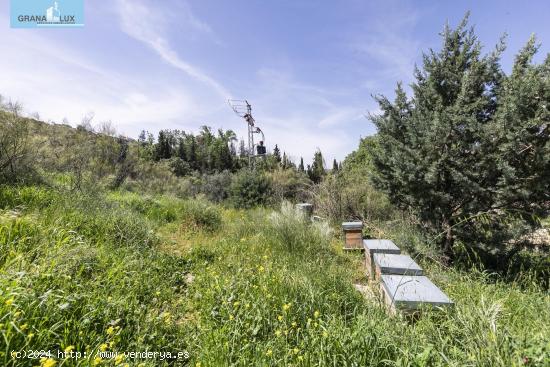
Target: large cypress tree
x=448, y=154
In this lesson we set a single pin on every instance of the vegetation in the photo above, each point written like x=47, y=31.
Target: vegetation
x=472, y=142
x=175, y=244
x=151, y=273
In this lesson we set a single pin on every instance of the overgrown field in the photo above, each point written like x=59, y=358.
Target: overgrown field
x=122, y=272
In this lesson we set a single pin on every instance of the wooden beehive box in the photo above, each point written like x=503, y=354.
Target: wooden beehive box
x=353, y=233
x=377, y=247
x=395, y=264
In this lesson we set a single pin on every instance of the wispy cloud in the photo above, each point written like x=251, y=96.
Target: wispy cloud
x=153, y=34
x=388, y=45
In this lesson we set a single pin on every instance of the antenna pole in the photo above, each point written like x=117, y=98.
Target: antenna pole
x=244, y=109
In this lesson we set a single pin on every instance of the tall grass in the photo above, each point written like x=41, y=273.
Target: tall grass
x=255, y=287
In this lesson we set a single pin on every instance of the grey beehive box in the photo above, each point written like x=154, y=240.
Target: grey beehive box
x=305, y=208
x=410, y=293
x=395, y=264
x=377, y=247
x=353, y=233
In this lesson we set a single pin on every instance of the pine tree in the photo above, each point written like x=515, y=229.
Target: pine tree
x=181, y=149
x=443, y=152
x=334, y=166
x=301, y=166
x=163, y=149
x=277, y=154
x=317, y=170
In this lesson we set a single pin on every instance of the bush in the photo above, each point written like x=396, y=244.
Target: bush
x=216, y=186
x=249, y=189
x=200, y=214
x=350, y=196
x=288, y=184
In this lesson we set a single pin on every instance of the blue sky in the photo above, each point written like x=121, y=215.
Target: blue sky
x=308, y=68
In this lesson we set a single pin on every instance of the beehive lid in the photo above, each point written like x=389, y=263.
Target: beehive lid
x=346, y=226
x=381, y=246
x=407, y=291
x=396, y=264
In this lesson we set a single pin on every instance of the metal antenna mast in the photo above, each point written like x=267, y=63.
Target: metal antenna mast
x=243, y=109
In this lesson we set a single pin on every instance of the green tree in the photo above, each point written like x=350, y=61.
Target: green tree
x=317, y=170
x=277, y=153
x=301, y=166
x=250, y=188
x=441, y=153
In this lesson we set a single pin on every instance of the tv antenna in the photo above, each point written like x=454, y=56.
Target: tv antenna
x=243, y=109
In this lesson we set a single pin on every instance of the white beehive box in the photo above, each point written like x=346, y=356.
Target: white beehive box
x=395, y=264
x=377, y=247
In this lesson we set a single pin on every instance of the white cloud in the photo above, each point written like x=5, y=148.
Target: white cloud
x=152, y=33
x=65, y=85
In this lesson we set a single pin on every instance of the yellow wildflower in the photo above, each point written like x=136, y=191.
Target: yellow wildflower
x=280, y=317
x=47, y=362
x=30, y=336
x=110, y=330
x=236, y=303
x=300, y=358
x=17, y=314
x=103, y=347
x=296, y=350
x=265, y=257
x=23, y=327
x=119, y=358
x=198, y=364
x=247, y=305
x=278, y=332
x=9, y=302
x=325, y=333
x=69, y=348
x=97, y=361
x=231, y=317
x=260, y=268
x=316, y=314
x=286, y=306
x=294, y=324
x=269, y=352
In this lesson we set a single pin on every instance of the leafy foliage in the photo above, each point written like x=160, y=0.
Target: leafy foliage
x=250, y=189
x=471, y=141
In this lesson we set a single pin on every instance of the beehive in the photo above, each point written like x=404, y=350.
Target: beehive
x=395, y=264
x=353, y=233
x=305, y=208
x=411, y=293
x=377, y=247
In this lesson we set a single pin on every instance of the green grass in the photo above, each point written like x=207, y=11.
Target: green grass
x=124, y=272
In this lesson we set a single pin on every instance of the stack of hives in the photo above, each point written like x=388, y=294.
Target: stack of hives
x=401, y=280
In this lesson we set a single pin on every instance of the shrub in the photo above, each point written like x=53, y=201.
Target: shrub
x=216, y=186
x=200, y=214
x=249, y=189
x=288, y=184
